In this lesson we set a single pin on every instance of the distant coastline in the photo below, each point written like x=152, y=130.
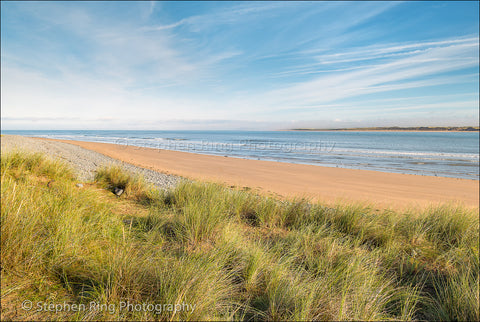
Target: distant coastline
x=402, y=129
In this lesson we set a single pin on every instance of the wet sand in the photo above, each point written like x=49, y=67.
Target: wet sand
x=324, y=184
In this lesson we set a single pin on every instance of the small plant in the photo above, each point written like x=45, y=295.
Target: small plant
x=116, y=178
x=19, y=164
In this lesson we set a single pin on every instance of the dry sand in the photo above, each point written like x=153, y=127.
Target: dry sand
x=330, y=185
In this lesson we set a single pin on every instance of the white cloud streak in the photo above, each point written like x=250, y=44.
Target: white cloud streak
x=384, y=76
x=149, y=74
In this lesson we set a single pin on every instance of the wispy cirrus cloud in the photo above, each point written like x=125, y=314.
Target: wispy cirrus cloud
x=395, y=74
x=238, y=12
x=264, y=63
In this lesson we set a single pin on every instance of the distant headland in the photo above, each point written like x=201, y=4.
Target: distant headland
x=398, y=128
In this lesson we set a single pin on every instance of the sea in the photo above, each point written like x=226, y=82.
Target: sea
x=443, y=154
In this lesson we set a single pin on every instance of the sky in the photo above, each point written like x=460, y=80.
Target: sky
x=269, y=65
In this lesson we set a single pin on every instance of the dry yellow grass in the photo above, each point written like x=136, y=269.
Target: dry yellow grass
x=233, y=254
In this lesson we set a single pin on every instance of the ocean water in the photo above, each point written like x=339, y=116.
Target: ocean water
x=446, y=154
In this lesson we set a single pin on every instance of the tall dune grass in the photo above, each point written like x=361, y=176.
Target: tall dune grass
x=134, y=185
x=233, y=254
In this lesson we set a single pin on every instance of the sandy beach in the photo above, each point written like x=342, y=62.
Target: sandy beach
x=324, y=184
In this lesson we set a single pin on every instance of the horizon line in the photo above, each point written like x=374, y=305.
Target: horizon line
x=373, y=128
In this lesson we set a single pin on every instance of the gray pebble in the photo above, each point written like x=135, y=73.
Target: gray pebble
x=84, y=162
x=118, y=191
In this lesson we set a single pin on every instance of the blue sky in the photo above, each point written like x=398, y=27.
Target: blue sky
x=238, y=65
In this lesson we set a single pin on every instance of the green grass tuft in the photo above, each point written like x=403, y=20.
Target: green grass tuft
x=233, y=254
x=133, y=185
x=18, y=165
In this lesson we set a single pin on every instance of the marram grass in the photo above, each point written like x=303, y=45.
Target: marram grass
x=230, y=255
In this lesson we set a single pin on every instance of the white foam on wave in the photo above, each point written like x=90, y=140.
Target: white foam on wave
x=412, y=154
